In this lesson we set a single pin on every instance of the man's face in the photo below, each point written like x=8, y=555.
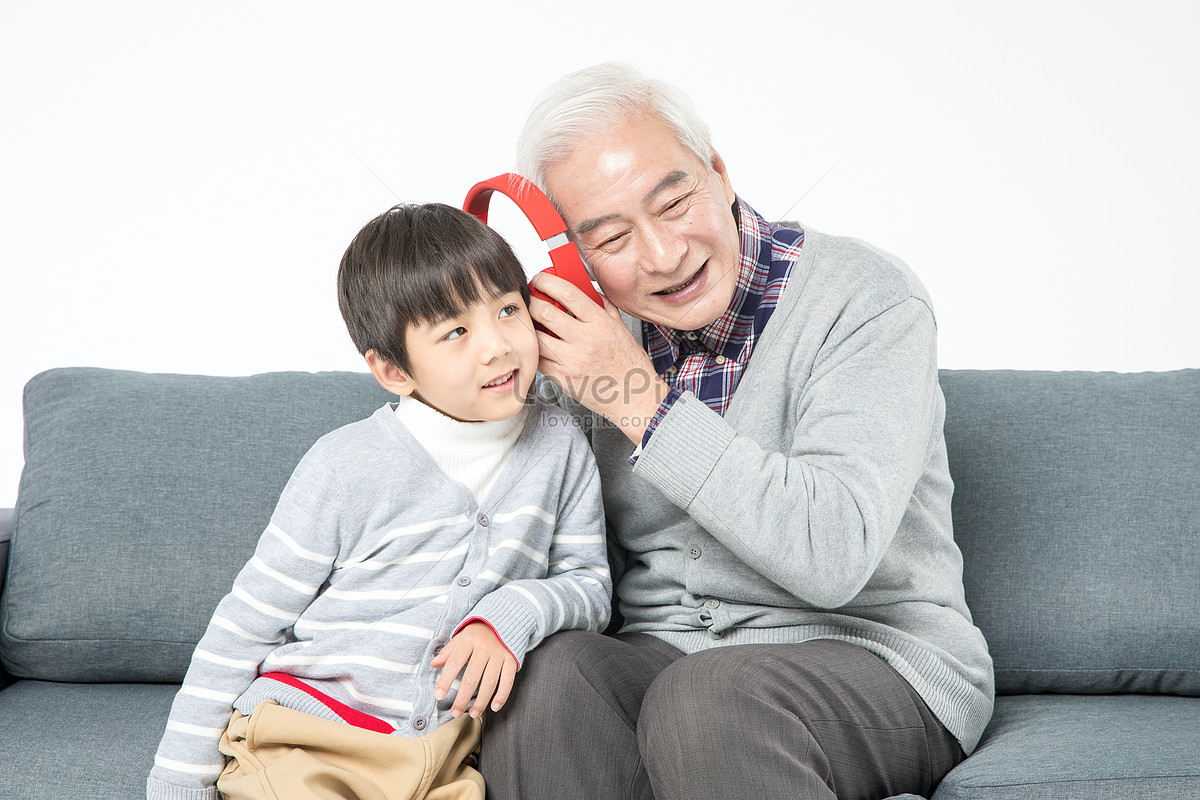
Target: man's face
x=653, y=221
x=477, y=366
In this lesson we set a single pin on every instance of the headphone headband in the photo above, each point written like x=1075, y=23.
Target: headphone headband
x=536, y=207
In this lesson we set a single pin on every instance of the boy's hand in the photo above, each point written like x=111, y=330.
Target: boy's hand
x=490, y=669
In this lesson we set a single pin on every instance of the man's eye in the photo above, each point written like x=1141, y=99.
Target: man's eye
x=677, y=205
x=610, y=241
x=454, y=334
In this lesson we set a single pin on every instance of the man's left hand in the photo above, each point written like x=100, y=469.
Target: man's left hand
x=594, y=359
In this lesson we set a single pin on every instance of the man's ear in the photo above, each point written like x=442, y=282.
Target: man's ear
x=718, y=166
x=390, y=377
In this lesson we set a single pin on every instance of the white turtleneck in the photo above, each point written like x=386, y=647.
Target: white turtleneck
x=472, y=453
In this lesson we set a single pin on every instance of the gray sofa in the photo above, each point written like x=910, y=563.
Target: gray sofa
x=1077, y=507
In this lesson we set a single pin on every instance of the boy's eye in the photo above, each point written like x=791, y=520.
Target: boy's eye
x=508, y=310
x=454, y=334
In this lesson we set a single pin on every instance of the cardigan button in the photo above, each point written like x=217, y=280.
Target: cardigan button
x=693, y=552
x=420, y=723
x=483, y=520
x=463, y=580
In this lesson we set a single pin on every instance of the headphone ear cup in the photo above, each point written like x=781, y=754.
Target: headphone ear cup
x=537, y=208
x=568, y=264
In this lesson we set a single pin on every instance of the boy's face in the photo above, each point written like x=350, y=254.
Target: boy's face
x=477, y=366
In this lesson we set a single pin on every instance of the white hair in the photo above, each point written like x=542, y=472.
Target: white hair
x=595, y=100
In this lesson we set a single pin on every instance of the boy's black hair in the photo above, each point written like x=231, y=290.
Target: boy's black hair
x=418, y=264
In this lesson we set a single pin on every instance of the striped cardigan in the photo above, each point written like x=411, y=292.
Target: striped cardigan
x=373, y=558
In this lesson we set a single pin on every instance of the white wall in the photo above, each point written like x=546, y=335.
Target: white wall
x=177, y=182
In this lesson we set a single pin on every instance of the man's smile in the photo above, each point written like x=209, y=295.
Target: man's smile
x=687, y=283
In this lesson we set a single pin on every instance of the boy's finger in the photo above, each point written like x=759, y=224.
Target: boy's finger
x=487, y=688
x=453, y=665
x=508, y=674
x=466, y=687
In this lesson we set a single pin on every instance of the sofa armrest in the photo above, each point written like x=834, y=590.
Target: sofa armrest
x=6, y=526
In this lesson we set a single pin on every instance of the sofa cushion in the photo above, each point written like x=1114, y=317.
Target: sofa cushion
x=141, y=497
x=1061, y=747
x=110, y=730
x=1077, y=508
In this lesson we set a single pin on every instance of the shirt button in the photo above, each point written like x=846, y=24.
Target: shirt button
x=672, y=370
x=713, y=603
x=419, y=723
x=693, y=552
x=720, y=359
x=463, y=580
x=483, y=520
x=691, y=337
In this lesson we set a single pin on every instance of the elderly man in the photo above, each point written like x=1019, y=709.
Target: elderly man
x=768, y=424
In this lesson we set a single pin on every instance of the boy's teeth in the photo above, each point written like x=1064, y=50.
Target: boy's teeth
x=500, y=380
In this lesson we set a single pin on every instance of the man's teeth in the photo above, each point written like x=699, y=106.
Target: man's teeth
x=498, y=381
x=681, y=286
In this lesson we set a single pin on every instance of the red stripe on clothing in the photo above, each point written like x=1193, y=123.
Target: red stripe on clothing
x=352, y=716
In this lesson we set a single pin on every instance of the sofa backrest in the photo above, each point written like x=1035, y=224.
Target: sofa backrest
x=1076, y=505
x=1077, y=508
x=141, y=497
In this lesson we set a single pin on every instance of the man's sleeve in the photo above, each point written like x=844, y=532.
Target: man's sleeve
x=817, y=518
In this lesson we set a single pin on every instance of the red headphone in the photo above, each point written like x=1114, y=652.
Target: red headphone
x=564, y=257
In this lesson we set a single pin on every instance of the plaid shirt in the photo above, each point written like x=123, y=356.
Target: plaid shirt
x=709, y=362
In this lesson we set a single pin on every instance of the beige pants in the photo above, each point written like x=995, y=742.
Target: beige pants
x=280, y=754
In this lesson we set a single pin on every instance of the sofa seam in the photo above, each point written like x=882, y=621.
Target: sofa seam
x=1138, y=778
x=6, y=636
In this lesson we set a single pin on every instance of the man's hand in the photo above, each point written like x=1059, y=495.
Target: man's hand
x=594, y=358
x=490, y=669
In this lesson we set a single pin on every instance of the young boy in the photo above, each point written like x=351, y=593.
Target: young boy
x=414, y=557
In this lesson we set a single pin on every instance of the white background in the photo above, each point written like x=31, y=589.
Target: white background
x=178, y=181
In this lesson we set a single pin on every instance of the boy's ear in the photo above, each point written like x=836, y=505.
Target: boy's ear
x=390, y=377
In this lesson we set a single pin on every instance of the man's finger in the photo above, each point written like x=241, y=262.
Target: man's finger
x=570, y=297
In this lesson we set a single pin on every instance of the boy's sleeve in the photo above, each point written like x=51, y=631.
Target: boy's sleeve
x=577, y=590
x=293, y=558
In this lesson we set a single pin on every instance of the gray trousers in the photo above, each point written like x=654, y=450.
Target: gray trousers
x=595, y=716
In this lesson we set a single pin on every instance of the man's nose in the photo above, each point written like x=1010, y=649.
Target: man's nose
x=662, y=249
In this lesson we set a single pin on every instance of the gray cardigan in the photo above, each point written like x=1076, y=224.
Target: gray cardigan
x=373, y=558
x=818, y=507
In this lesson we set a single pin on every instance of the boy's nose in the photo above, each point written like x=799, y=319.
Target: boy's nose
x=496, y=345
